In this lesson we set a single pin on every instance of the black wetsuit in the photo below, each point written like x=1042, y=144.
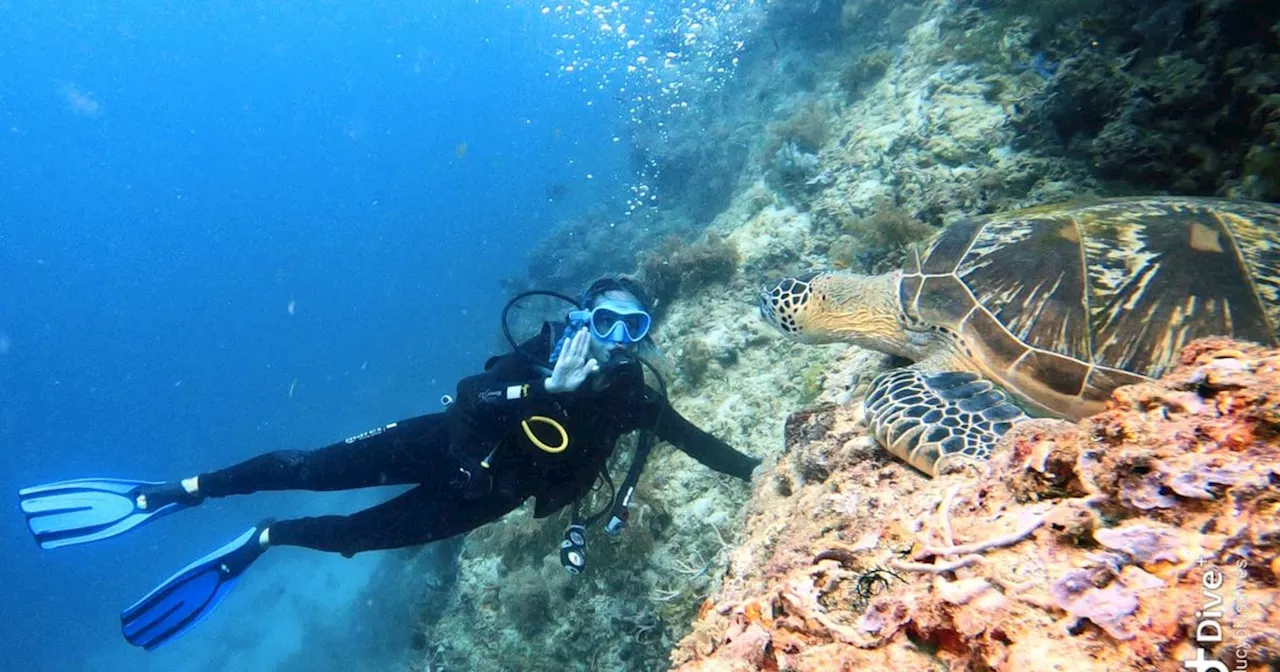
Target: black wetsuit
x=442, y=453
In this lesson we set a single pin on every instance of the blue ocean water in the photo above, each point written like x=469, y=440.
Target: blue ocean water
x=229, y=228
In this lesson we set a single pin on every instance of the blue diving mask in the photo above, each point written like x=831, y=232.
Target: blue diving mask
x=615, y=322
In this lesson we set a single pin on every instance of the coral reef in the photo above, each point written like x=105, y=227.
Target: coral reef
x=792, y=145
x=697, y=358
x=676, y=265
x=869, y=68
x=879, y=242
x=1164, y=96
x=796, y=168
x=950, y=108
x=1127, y=541
x=692, y=161
x=807, y=128
x=581, y=249
x=912, y=122
x=878, y=22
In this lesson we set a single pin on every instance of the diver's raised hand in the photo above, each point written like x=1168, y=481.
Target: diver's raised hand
x=572, y=366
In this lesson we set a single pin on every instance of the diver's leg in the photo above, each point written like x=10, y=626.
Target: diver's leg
x=85, y=510
x=419, y=516
x=400, y=453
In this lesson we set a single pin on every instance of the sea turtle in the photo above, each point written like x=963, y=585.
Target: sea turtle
x=1055, y=305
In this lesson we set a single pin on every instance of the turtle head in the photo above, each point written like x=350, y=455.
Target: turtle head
x=834, y=307
x=784, y=305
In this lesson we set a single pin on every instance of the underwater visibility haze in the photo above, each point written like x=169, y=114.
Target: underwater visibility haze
x=935, y=334
x=228, y=230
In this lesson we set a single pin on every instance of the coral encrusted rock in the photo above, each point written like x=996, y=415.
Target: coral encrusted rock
x=1137, y=539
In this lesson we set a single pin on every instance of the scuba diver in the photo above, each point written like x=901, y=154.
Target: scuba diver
x=541, y=422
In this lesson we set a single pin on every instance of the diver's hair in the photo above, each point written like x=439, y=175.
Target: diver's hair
x=617, y=282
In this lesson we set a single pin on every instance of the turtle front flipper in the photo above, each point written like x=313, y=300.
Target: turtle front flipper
x=925, y=417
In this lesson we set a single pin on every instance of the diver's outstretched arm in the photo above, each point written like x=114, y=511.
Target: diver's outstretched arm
x=701, y=446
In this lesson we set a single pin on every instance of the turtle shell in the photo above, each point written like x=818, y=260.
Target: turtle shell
x=1062, y=304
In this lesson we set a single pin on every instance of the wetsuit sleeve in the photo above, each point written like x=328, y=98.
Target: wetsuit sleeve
x=701, y=446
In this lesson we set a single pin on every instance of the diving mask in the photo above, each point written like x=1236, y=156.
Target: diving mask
x=615, y=322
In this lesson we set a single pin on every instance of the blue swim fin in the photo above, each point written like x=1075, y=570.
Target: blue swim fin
x=187, y=597
x=90, y=509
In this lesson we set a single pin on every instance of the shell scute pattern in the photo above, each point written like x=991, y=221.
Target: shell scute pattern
x=1029, y=275
x=1163, y=273
x=942, y=253
x=1258, y=245
x=1075, y=296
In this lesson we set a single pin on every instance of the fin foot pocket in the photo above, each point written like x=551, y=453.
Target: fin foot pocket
x=190, y=595
x=925, y=418
x=91, y=509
